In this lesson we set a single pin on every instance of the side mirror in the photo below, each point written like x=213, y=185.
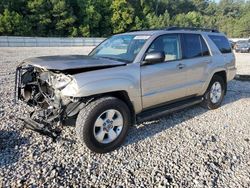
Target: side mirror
x=154, y=57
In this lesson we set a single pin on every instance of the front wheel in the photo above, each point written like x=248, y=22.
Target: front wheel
x=103, y=124
x=215, y=93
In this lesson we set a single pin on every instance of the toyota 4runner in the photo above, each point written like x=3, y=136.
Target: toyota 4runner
x=129, y=78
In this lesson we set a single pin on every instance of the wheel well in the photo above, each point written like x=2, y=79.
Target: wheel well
x=122, y=95
x=223, y=75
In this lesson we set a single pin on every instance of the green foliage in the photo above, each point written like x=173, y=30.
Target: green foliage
x=123, y=15
x=11, y=23
x=161, y=21
x=89, y=18
x=39, y=17
x=243, y=28
x=191, y=19
x=61, y=17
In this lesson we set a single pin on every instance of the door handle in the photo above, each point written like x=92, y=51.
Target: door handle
x=180, y=66
x=207, y=61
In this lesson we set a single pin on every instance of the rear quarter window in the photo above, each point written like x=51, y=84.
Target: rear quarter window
x=222, y=43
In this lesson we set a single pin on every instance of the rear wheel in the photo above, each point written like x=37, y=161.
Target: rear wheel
x=103, y=124
x=215, y=93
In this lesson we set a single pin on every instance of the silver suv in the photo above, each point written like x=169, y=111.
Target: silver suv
x=129, y=78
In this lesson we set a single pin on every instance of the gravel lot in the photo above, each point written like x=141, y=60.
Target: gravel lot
x=191, y=148
x=243, y=63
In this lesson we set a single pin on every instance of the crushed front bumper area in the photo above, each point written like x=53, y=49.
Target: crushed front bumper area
x=33, y=86
x=41, y=128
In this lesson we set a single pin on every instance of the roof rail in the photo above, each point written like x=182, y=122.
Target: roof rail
x=191, y=29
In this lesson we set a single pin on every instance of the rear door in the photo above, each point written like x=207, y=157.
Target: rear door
x=196, y=58
x=164, y=81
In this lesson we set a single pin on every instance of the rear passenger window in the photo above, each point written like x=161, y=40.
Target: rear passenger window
x=222, y=43
x=194, y=46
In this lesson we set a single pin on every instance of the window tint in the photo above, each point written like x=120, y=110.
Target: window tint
x=169, y=44
x=192, y=46
x=205, y=51
x=222, y=43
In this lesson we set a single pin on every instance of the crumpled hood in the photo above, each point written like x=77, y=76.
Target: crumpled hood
x=70, y=62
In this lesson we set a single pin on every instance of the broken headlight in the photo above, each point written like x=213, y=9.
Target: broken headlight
x=60, y=81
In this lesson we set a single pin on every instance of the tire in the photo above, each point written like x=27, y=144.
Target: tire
x=209, y=101
x=89, y=130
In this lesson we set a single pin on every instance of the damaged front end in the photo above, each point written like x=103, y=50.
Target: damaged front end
x=42, y=89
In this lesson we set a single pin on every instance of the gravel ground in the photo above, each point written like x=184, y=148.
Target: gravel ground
x=243, y=63
x=191, y=148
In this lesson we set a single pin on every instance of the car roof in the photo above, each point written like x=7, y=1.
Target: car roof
x=142, y=32
x=175, y=30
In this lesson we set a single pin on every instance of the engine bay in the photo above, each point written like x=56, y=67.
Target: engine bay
x=41, y=89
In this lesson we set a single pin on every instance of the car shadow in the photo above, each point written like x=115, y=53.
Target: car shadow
x=145, y=130
x=148, y=129
x=10, y=142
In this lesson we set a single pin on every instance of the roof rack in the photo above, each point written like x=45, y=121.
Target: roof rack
x=191, y=29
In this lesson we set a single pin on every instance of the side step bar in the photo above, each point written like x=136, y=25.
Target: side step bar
x=167, y=109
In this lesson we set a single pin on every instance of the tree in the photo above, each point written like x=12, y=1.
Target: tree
x=61, y=18
x=243, y=26
x=191, y=19
x=38, y=15
x=201, y=5
x=96, y=18
x=11, y=23
x=122, y=17
x=160, y=21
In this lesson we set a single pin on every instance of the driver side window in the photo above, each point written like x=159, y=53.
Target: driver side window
x=169, y=44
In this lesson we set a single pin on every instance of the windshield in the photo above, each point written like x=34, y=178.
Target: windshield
x=120, y=47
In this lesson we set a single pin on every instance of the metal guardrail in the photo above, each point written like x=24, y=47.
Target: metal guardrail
x=9, y=41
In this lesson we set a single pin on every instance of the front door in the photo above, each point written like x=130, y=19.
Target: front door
x=164, y=81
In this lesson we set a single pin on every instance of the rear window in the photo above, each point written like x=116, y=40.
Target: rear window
x=194, y=46
x=222, y=43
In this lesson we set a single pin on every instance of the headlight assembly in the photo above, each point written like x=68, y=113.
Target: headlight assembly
x=60, y=81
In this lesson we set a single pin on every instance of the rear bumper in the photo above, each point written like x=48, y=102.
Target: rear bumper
x=242, y=50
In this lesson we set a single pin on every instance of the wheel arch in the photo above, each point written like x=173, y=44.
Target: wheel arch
x=223, y=75
x=123, y=96
x=221, y=72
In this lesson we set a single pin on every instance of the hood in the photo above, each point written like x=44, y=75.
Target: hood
x=71, y=62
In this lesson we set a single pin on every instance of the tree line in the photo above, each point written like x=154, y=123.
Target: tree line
x=102, y=18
